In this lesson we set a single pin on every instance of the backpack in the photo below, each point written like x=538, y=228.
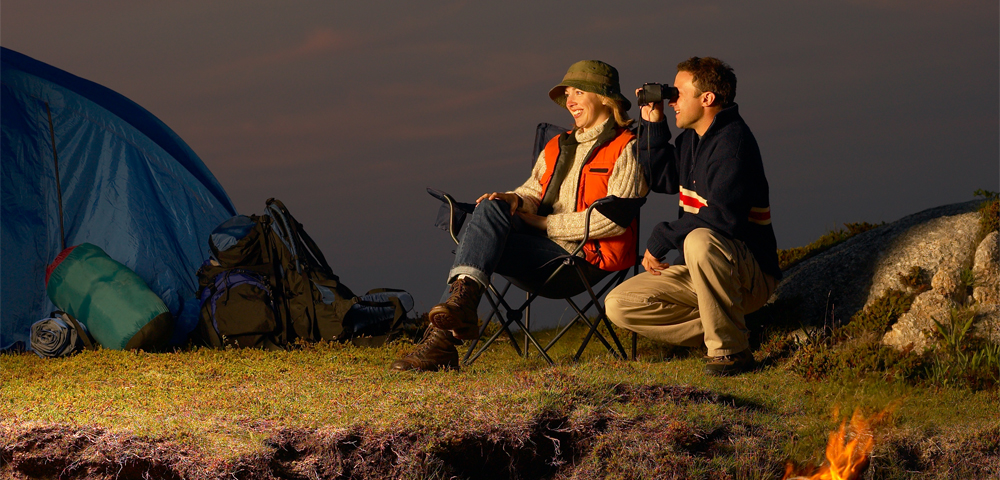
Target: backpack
x=268, y=285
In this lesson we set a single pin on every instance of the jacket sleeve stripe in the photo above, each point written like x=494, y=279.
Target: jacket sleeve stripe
x=760, y=215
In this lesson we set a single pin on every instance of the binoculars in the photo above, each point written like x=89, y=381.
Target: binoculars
x=654, y=92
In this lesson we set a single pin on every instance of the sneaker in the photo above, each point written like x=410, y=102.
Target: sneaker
x=734, y=364
x=460, y=312
x=435, y=351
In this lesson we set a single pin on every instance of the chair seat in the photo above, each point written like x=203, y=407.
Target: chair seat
x=566, y=282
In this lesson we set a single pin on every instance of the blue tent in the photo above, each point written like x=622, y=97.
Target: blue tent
x=81, y=163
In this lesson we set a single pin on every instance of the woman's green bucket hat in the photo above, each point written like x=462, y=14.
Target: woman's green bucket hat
x=592, y=76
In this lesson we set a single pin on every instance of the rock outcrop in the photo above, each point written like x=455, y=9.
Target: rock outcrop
x=912, y=328
x=836, y=284
x=943, y=244
x=986, y=270
x=949, y=296
x=986, y=289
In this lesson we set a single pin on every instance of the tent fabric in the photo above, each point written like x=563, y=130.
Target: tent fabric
x=128, y=184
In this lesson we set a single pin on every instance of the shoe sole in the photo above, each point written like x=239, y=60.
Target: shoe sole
x=728, y=370
x=445, y=320
x=399, y=367
x=467, y=333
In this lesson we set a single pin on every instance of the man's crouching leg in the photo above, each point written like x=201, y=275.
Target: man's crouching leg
x=660, y=307
x=728, y=283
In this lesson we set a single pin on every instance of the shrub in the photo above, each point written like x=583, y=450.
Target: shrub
x=989, y=211
x=855, y=350
x=961, y=359
x=880, y=315
x=793, y=256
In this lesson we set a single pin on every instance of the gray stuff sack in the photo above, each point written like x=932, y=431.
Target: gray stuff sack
x=54, y=337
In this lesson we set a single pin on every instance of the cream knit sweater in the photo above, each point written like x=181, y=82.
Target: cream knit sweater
x=565, y=224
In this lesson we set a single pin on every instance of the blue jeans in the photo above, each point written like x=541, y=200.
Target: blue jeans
x=493, y=240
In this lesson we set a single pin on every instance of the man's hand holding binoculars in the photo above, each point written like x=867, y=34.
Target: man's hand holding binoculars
x=650, y=100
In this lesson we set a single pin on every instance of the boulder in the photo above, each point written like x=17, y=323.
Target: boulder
x=986, y=271
x=948, y=294
x=916, y=327
x=836, y=284
x=987, y=324
x=947, y=280
x=942, y=246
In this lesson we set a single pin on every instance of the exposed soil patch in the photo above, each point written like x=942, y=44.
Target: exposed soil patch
x=679, y=394
x=82, y=452
x=593, y=444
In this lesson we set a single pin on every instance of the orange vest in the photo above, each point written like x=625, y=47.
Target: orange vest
x=611, y=253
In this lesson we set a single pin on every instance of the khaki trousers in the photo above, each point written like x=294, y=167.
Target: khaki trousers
x=703, y=301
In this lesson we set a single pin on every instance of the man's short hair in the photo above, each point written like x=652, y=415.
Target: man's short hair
x=712, y=75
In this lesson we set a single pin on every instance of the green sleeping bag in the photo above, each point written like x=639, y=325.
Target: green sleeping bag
x=117, y=307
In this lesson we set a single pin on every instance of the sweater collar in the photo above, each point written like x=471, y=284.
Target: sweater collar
x=593, y=133
x=725, y=116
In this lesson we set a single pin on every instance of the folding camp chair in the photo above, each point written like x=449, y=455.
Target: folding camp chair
x=571, y=276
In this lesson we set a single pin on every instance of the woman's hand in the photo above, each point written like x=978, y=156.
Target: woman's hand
x=536, y=221
x=512, y=199
x=653, y=264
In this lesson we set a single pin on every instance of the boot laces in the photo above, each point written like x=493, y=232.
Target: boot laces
x=465, y=289
x=425, y=343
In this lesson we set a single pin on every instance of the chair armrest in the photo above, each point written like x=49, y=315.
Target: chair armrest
x=619, y=210
x=452, y=213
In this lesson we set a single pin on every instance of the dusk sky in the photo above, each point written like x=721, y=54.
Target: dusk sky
x=865, y=110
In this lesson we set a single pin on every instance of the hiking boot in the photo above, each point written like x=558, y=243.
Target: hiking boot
x=725, y=365
x=435, y=351
x=460, y=312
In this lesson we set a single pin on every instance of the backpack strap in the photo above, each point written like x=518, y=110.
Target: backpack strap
x=88, y=342
x=297, y=237
x=271, y=268
x=307, y=258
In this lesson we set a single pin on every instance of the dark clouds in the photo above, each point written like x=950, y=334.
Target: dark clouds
x=864, y=110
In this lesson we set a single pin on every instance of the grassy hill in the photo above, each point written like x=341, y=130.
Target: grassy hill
x=335, y=411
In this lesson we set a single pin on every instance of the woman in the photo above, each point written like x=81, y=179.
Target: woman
x=516, y=232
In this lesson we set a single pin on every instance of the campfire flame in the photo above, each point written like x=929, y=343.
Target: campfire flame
x=846, y=459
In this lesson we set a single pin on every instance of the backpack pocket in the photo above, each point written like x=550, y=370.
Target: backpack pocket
x=238, y=310
x=237, y=242
x=332, y=301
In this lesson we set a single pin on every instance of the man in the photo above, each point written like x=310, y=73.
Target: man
x=520, y=232
x=727, y=263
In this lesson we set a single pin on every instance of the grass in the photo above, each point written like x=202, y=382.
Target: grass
x=335, y=411
x=335, y=408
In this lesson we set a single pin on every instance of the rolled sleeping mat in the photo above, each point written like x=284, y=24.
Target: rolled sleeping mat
x=52, y=337
x=109, y=299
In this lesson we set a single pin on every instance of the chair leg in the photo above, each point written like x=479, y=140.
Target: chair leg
x=512, y=316
x=635, y=345
x=527, y=322
x=490, y=293
x=597, y=323
x=593, y=326
x=620, y=352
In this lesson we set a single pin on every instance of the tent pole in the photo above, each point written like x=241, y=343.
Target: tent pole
x=55, y=159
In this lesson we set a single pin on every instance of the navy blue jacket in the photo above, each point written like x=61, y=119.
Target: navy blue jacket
x=720, y=182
